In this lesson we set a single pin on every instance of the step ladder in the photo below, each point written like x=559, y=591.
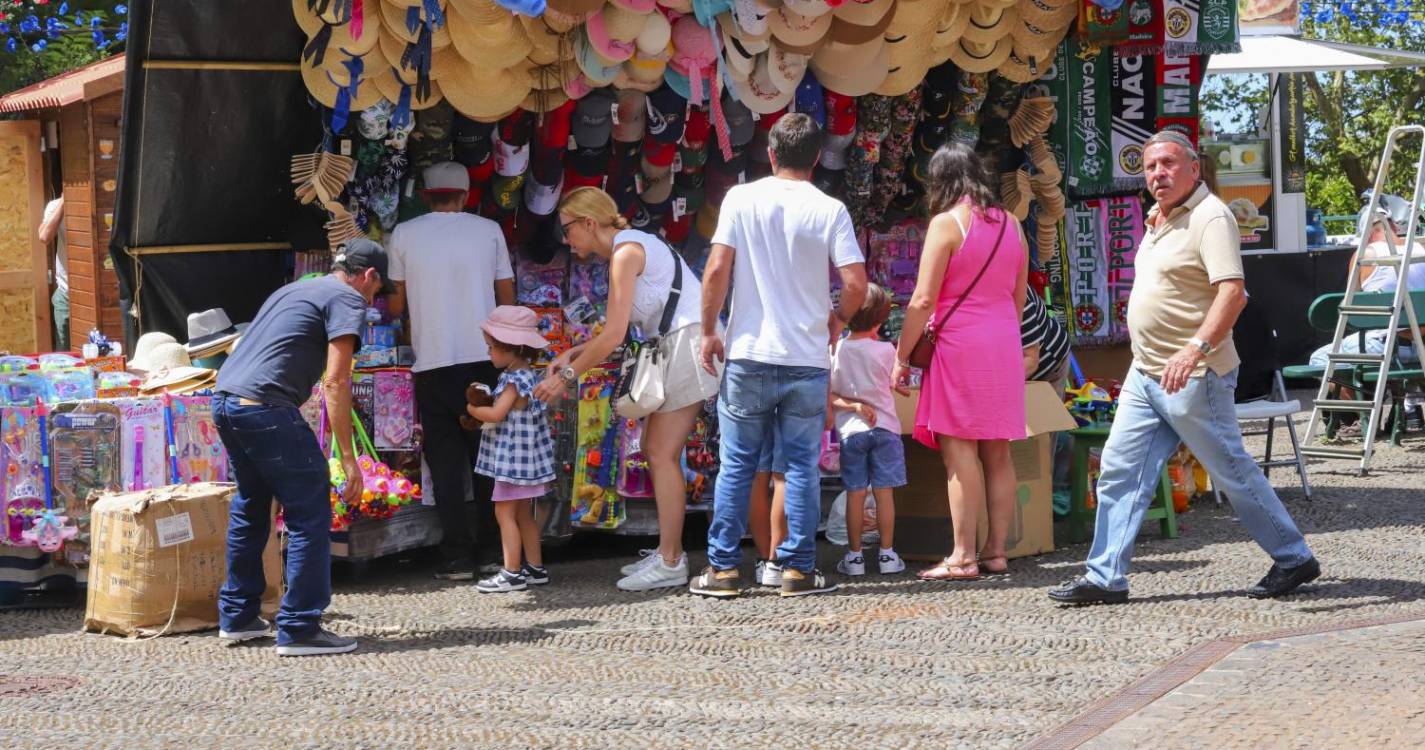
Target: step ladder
x=1400, y=258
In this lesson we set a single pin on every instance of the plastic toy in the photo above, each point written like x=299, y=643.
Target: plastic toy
x=634, y=478
x=395, y=410
x=143, y=443
x=23, y=480
x=1090, y=403
x=198, y=452
x=84, y=459
x=383, y=491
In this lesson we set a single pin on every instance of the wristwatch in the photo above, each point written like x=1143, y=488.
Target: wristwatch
x=1201, y=345
x=568, y=375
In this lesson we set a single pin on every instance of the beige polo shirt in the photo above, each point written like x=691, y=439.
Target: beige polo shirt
x=1173, y=277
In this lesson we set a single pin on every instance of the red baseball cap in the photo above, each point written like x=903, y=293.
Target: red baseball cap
x=659, y=154
x=840, y=113
x=554, y=131
x=698, y=127
x=767, y=121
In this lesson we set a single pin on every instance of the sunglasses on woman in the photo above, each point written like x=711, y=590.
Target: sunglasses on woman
x=564, y=230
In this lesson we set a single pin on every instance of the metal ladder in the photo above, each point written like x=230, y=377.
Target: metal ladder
x=1401, y=261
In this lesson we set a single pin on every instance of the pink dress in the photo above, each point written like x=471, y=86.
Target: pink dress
x=975, y=387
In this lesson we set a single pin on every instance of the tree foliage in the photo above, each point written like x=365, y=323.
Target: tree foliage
x=41, y=39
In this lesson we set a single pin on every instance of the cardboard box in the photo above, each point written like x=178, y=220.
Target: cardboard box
x=159, y=557
x=923, y=529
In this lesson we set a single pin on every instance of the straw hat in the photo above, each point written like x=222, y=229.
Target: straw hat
x=1048, y=14
x=485, y=94
x=613, y=32
x=786, y=69
x=498, y=44
x=808, y=8
x=795, y=30
x=393, y=18
x=170, y=367
x=857, y=22
x=391, y=87
x=553, y=76
x=852, y=70
x=644, y=70
x=325, y=89
x=547, y=45
x=578, y=8
x=1032, y=40
x=142, y=360
x=988, y=23
x=973, y=57
x=312, y=24
x=759, y=92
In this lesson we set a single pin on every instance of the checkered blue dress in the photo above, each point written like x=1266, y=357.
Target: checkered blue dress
x=519, y=450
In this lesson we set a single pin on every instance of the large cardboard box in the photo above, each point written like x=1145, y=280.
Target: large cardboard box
x=923, y=529
x=159, y=557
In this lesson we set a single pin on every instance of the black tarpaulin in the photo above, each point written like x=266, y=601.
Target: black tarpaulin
x=205, y=159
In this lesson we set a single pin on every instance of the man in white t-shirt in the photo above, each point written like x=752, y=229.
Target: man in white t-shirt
x=52, y=228
x=452, y=269
x=775, y=240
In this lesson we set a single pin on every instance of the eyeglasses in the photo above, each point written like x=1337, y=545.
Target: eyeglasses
x=564, y=230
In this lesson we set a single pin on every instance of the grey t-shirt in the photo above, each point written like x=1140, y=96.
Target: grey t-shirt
x=283, y=352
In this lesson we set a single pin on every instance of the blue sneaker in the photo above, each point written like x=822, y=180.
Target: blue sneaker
x=259, y=628
x=319, y=644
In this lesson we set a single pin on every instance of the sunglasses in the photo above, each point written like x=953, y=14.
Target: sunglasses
x=564, y=230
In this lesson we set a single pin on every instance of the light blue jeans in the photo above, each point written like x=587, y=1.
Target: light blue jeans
x=1146, y=432
x=1375, y=344
x=758, y=401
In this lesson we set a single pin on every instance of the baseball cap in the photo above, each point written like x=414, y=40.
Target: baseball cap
x=445, y=177
x=739, y=120
x=592, y=124
x=666, y=112
x=472, y=141
x=632, y=116
x=355, y=256
x=698, y=126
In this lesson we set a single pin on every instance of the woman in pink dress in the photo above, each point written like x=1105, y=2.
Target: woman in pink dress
x=970, y=286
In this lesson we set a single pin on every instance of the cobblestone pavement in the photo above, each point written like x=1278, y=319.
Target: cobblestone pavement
x=1351, y=688
x=888, y=662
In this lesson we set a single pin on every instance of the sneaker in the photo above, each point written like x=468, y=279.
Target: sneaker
x=797, y=583
x=1279, y=580
x=323, y=642
x=646, y=557
x=457, y=570
x=259, y=628
x=501, y=583
x=890, y=563
x=723, y=584
x=534, y=576
x=853, y=564
x=656, y=576
x=768, y=573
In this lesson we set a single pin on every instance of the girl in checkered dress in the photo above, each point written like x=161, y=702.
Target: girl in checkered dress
x=518, y=450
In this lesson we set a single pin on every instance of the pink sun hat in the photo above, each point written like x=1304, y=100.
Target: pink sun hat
x=514, y=325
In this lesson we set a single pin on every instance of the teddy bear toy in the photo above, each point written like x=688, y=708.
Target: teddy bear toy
x=477, y=395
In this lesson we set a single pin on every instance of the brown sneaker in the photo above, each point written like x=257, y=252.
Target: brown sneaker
x=723, y=584
x=797, y=583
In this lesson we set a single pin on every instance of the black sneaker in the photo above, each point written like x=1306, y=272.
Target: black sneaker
x=258, y=628
x=1281, y=580
x=501, y=583
x=534, y=576
x=797, y=583
x=723, y=584
x=323, y=642
x=1081, y=591
x=457, y=570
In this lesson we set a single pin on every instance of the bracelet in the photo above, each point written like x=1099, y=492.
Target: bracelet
x=903, y=362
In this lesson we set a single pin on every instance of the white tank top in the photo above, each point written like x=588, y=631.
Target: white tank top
x=650, y=292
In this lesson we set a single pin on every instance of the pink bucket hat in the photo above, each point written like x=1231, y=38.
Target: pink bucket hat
x=514, y=325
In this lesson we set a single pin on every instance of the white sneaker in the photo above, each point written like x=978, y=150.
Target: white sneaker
x=768, y=573
x=853, y=564
x=646, y=557
x=656, y=575
x=891, y=563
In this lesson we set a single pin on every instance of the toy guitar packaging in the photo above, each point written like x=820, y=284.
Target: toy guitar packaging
x=143, y=443
x=197, y=450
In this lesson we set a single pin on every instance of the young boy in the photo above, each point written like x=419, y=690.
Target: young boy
x=872, y=457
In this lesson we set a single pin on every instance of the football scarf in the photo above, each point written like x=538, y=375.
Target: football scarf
x=1179, y=78
x=1200, y=27
x=1088, y=110
x=1135, y=106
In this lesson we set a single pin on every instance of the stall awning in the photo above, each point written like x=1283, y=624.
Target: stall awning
x=75, y=86
x=1285, y=54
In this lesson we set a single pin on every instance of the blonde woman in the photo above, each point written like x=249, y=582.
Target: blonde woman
x=641, y=278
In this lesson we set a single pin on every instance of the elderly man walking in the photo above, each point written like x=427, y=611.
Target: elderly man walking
x=1187, y=294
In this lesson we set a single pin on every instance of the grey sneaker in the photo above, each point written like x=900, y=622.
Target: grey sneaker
x=502, y=582
x=656, y=576
x=323, y=642
x=797, y=583
x=258, y=628
x=534, y=576
x=853, y=564
x=646, y=557
x=723, y=584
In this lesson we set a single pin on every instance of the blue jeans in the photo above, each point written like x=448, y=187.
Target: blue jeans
x=756, y=400
x=1375, y=344
x=1146, y=432
x=273, y=453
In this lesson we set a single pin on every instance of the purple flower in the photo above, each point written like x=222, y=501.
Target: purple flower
x=63, y=8
x=99, y=40
x=39, y=46
x=11, y=44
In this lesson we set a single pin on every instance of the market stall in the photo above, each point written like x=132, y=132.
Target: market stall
x=666, y=107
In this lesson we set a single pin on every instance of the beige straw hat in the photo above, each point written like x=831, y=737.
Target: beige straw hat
x=393, y=18
x=973, y=57
x=498, y=44
x=988, y=23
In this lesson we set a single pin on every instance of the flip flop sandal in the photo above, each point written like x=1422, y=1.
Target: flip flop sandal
x=1002, y=560
x=947, y=571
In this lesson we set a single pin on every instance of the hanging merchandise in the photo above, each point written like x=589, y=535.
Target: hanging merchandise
x=199, y=455
x=143, y=443
x=22, y=456
x=1086, y=106
x=51, y=529
x=634, y=478
x=395, y=418
x=595, y=502
x=1104, y=235
x=1179, y=80
x=893, y=258
x=1205, y=27
x=84, y=460
x=383, y=491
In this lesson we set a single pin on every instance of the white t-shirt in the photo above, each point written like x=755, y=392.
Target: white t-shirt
x=785, y=233
x=450, y=263
x=861, y=371
x=61, y=253
x=1383, y=278
x=650, y=293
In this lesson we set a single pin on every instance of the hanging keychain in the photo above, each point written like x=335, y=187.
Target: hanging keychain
x=50, y=529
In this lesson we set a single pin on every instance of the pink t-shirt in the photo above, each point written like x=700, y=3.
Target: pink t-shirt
x=861, y=370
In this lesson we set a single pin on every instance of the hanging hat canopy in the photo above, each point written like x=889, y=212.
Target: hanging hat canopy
x=494, y=40
x=357, y=35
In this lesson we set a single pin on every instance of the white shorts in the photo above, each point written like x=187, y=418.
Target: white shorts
x=687, y=382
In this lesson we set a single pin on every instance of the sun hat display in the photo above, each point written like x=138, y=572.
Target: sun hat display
x=498, y=44
x=406, y=95
x=547, y=44
x=793, y=29
x=645, y=69
x=331, y=93
x=357, y=36
x=415, y=24
x=485, y=94
x=172, y=371
x=852, y=70
x=578, y=8
x=786, y=69
x=209, y=332
x=973, y=57
x=858, y=22
x=751, y=18
x=597, y=71
x=613, y=32
x=1048, y=14
x=694, y=58
x=657, y=33
x=759, y=92
x=989, y=23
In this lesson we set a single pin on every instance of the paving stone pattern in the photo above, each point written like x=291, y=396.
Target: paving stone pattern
x=885, y=662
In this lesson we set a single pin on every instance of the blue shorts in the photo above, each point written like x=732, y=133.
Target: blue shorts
x=772, y=461
x=873, y=460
